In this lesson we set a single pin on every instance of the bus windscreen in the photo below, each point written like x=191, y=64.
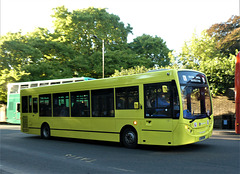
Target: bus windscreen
x=195, y=95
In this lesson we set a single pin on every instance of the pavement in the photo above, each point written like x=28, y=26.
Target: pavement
x=224, y=132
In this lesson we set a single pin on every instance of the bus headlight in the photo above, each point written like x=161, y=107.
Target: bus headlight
x=188, y=128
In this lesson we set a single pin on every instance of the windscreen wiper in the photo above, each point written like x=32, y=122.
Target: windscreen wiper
x=192, y=120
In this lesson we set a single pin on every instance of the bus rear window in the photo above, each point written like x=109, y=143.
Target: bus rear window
x=24, y=104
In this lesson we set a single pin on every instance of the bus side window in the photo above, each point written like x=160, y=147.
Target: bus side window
x=24, y=104
x=80, y=104
x=30, y=104
x=45, y=108
x=61, y=104
x=35, y=105
x=126, y=96
x=103, y=103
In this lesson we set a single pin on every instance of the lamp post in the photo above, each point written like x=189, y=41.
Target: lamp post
x=103, y=58
x=102, y=55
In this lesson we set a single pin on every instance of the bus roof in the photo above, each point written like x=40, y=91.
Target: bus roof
x=128, y=80
x=17, y=86
x=54, y=80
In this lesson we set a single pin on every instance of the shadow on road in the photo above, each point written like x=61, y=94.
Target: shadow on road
x=183, y=148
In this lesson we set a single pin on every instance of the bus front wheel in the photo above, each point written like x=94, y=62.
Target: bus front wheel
x=129, y=138
x=45, y=131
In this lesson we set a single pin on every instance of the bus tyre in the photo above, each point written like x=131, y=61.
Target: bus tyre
x=45, y=131
x=129, y=138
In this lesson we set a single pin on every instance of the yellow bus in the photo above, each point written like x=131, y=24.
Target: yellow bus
x=166, y=107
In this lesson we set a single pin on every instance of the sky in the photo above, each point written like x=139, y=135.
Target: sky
x=173, y=20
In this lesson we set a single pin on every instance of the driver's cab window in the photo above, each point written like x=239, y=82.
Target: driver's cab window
x=161, y=100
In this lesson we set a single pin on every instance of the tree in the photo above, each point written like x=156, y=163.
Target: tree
x=227, y=35
x=220, y=72
x=152, y=48
x=75, y=48
x=201, y=53
x=79, y=27
x=114, y=60
x=197, y=50
x=37, y=54
x=8, y=76
x=15, y=51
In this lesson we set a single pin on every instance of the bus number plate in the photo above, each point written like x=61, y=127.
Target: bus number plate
x=201, y=138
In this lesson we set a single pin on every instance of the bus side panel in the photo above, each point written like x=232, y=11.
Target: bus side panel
x=35, y=131
x=70, y=134
x=72, y=127
x=25, y=125
x=156, y=138
x=130, y=117
x=84, y=128
x=104, y=128
x=113, y=136
x=156, y=131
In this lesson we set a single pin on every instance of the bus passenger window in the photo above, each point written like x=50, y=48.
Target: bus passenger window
x=126, y=96
x=24, y=104
x=80, y=104
x=45, y=108
x=30, y=104
x=157, y=100
x=61, y=104
x=14, y=89
x=103, y=103
x=35, y=105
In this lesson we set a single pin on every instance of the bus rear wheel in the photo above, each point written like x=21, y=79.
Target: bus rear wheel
x=45, y=131
x=129, y=138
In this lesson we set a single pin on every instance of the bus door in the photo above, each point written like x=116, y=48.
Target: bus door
x=158, y=112
x=17, y=113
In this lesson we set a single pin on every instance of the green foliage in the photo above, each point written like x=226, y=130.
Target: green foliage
x=8, y=76
x=220, y=72
x=227, y=35
x=74, y=48
x=202, y=54
x=152, y=48
x=130, y=71
x=197, y=50
x=80, y=27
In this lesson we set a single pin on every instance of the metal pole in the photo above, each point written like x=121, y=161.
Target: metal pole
x=103, y=58
x=237, y=94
